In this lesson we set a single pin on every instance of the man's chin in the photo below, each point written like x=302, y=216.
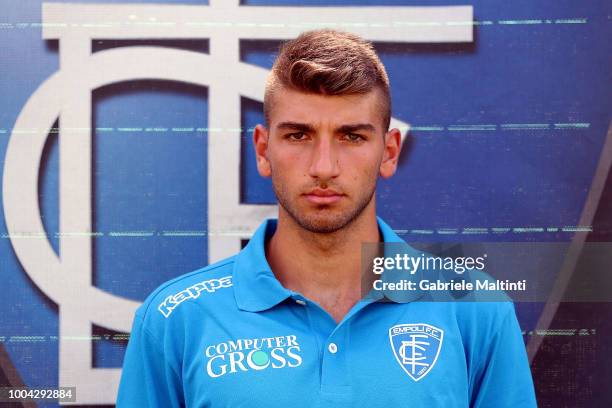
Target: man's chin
x=323, y=224
x=323, y=219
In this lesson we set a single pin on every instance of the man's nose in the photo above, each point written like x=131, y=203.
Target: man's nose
x=325, y=158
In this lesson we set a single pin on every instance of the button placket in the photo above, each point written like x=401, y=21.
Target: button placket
x=335, y=378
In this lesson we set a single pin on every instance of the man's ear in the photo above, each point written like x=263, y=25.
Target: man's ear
x=393, y=145
x=260, y=140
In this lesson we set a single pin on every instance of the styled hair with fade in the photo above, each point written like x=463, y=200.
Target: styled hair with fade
x=329, y=62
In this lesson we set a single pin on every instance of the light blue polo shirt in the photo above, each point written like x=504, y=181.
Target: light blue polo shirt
x=230, y=335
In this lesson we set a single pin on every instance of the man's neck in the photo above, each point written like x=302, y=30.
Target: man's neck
x=325, y=268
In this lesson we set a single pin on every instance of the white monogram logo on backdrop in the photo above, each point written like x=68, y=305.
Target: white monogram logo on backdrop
x=67, y=279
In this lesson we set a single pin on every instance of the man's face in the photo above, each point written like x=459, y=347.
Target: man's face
x=324, y=155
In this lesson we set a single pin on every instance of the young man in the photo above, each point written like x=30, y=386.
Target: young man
x=284, y=323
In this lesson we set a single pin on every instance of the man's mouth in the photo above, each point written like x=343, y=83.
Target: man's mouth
x=323, y=196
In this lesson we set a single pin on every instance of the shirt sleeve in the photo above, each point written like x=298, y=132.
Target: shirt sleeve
x=147, y=379
x=503, y=378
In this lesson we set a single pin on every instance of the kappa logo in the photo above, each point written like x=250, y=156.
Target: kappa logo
x=416, y=347
x=193, y=292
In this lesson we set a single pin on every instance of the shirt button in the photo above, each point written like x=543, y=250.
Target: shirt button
x=300, y=302
x=333, y=348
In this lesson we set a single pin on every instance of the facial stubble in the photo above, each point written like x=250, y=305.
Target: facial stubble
x=325, y=220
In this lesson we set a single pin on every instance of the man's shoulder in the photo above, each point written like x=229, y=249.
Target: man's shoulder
x=479, y=320
x=189, y=291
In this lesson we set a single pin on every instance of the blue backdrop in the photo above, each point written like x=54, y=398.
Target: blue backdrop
x=506, y=134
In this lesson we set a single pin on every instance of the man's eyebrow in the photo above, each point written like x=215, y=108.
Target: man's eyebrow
x=302, y=127
x=356, y=128
x=349, y=128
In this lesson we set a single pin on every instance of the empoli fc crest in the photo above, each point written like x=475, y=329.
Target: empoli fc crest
x=416, y=347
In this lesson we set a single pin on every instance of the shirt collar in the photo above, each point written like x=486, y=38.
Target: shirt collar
x=255, y=286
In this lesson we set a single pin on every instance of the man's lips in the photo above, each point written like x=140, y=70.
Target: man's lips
x=323, y=196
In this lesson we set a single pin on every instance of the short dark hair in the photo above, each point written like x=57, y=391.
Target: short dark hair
x=329, y=62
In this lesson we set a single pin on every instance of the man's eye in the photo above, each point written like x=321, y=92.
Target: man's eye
x=296, y=136
x=353, y=137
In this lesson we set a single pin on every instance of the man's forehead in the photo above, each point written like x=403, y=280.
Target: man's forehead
x=293, y=107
